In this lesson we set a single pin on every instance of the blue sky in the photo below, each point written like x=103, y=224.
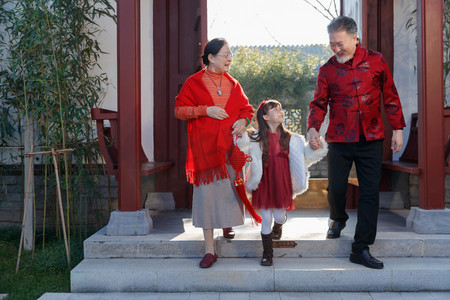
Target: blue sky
x=266, y=22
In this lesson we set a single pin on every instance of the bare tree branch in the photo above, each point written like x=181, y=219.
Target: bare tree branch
x=326, y=9
x=329, y=4
x=317, y=9
x=328, y=14
x=273, y=37
x=335, y=8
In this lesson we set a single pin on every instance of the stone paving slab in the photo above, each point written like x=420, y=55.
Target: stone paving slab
x=246, y=275
x=117, y=275
x=251, y=296
x=235, y=275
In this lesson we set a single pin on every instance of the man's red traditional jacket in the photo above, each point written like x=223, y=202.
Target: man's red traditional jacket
x=353, y=93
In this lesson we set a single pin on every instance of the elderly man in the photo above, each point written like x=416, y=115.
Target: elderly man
x=351, y=83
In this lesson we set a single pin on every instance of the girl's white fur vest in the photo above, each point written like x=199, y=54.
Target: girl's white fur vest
x=301, y=156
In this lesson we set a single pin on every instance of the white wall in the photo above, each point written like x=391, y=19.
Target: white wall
x=108, y=62
x=107, y=40
x=405, y=63
x=353, y=9
x=147, y=77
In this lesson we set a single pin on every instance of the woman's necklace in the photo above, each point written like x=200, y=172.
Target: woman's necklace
x=219, y=92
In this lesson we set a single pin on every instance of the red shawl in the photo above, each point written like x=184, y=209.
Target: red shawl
x=210, y=139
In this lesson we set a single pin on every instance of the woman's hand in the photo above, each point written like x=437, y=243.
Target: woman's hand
x=216, y=112
x=239, y=127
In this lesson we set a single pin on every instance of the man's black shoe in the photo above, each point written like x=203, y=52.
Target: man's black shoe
x=366, y=259
x=335, y=229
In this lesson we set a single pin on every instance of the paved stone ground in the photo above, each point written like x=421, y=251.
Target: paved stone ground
x=252, y=296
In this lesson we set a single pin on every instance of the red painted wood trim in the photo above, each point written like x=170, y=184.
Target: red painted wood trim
x=99, y=115
x=108, y=147
x=386, y=32
x=402, y=166
x=378, y=35
x=161, y=79
x=364, y=25
x=204, y=24
x=372, y=25
x=430, y=108
x=152, y=167
x=385, y=37
x=446, y=125
x=179, y=35
x=129, y=104
x=103, y=114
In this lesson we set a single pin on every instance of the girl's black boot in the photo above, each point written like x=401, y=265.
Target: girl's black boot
x=277, y=230
x=267, y=259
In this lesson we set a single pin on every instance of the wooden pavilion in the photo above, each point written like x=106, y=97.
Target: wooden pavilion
x=179, y=32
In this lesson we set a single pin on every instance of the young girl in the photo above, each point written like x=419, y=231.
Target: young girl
x=278, y=171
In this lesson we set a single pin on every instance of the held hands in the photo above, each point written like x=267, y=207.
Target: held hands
x=216, y=112
x=239, y=127
x=397, y=140
x=314, y=139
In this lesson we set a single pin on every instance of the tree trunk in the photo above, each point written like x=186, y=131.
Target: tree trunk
x=28, y=185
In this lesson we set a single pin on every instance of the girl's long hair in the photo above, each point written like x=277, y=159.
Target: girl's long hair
x=262, y=136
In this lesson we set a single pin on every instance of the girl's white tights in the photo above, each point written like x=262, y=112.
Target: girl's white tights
x=279, y=215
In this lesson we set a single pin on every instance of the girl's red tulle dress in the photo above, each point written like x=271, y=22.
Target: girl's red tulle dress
x=275, y=188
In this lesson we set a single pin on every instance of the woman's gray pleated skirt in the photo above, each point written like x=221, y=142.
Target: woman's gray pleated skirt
x=217, y=204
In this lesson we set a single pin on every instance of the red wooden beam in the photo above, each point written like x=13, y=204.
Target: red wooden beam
x=129, y=103
x=431, y=104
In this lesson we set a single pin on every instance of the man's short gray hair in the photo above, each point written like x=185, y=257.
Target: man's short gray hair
x=342, y=23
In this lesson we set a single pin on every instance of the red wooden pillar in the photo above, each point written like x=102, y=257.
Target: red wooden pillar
x=431, y=104
x=129, y=103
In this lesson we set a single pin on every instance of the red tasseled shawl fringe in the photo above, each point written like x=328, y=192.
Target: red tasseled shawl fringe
x=207, y=176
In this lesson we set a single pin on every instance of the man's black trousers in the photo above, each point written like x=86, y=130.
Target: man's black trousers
x=367, y=156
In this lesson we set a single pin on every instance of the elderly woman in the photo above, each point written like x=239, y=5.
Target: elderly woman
x=217, y=108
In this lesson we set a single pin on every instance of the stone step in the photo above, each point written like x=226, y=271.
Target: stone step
x=313, y=245
x=175, y=237
x=250, y=296
x=404, y=274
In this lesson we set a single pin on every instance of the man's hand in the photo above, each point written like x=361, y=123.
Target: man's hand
x=397, y=140
x=239, y=127
x=314, y=139
x=216, y=112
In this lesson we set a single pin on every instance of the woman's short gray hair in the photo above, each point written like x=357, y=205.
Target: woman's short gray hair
x=342, y=23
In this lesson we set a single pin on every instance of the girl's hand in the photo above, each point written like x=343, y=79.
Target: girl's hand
x=216, y=112
x=239, y=127
x=313, y=145
x=314, y=139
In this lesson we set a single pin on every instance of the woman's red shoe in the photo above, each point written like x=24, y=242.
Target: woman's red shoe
x=208, y=260
x=228, y=233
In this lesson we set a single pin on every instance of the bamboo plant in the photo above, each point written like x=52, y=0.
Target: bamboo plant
x=49, y=71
